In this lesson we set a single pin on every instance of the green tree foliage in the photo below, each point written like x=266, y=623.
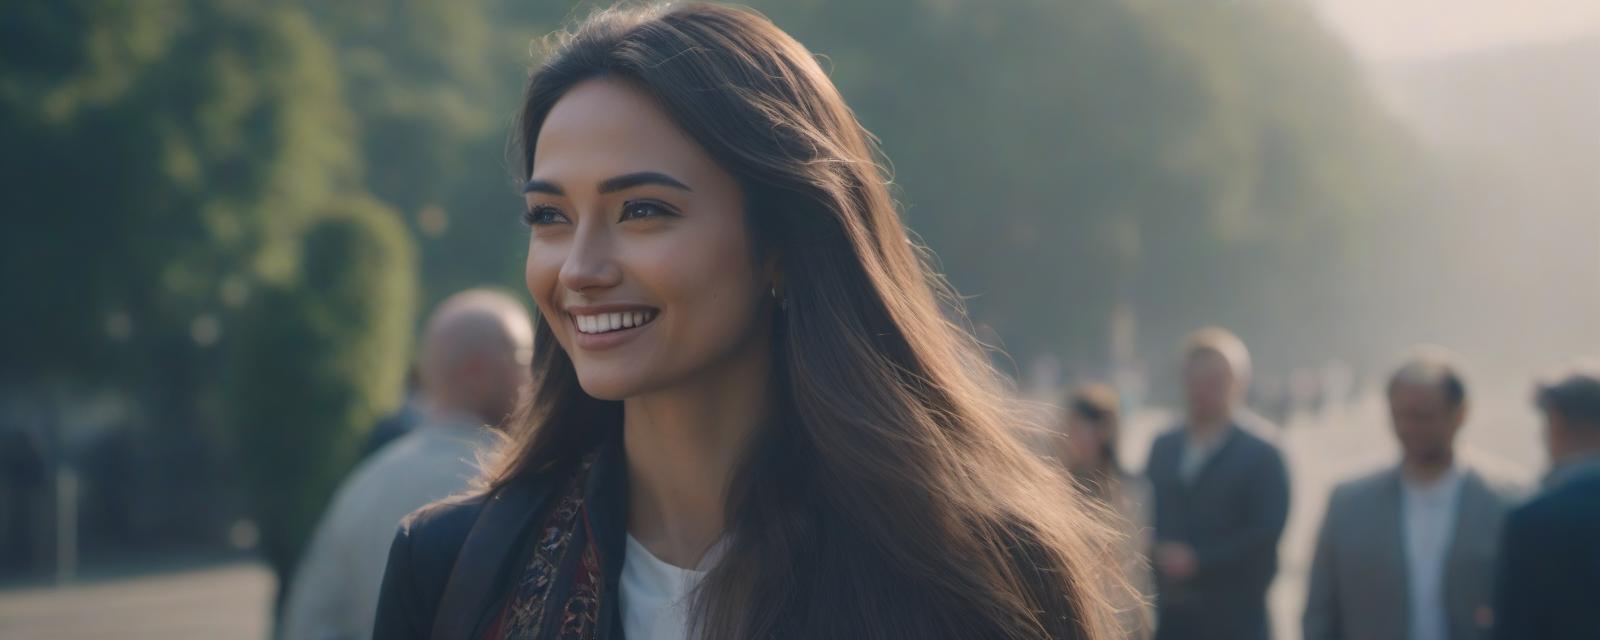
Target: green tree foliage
x=436, y=83
x=315, y=361
x=174, y=172
x=155, y=154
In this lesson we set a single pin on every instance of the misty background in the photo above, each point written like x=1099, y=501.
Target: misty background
x=224, y=220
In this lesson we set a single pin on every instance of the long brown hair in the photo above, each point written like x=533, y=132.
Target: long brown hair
x=892, y=499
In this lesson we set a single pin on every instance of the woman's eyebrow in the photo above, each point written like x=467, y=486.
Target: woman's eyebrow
x=542, y=186
x=618, y=183
x=630, y=180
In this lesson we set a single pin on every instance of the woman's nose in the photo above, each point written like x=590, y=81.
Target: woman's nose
x=591, y=262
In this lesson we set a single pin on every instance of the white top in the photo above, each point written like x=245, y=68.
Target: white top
x=334, y=593
x=655, y=595
x=1428, y=518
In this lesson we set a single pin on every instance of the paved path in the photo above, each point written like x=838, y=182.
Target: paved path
x=219, y=602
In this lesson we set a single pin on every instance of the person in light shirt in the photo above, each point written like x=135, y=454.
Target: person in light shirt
x=1408, y=552
x=474, y=360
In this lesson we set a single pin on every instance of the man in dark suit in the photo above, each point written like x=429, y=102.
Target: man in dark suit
x=1221, y=496
x=1548, y=587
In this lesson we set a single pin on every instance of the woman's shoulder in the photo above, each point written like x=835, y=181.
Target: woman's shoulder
x=438, y=530
x=430, y=538
x=429, y=545
x=421, y=559
x=433, y=536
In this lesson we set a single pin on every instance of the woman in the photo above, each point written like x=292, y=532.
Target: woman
x=750, y=417
x=1090, y=452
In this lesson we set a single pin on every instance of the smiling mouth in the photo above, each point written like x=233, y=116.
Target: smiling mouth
x=601, y=323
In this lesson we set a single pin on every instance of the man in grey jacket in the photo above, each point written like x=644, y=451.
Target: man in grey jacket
x=474, y=360
x=1407, y=553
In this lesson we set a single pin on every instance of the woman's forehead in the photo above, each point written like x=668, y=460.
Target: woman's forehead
x=605, y=127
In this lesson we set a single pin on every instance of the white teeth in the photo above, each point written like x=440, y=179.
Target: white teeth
x=606, y=322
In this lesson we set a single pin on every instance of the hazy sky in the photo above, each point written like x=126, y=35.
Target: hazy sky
x=1387, y=30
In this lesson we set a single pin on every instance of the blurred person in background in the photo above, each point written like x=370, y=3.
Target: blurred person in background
x=751, y=417
x=1221, y=497
x=1548, y=584
x=474, y=359
x=1093, y=426
x=395, y=425
x=1407, y=553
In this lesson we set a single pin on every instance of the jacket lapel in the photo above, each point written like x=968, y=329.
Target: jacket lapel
x=606, y=514
x=1472, y=511
x=485, y=557
x=1389, y=525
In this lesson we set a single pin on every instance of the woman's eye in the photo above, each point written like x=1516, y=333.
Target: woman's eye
x=644, y=209
x=542, y=215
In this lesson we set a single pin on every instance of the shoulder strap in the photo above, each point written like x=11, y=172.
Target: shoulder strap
x=482, y=559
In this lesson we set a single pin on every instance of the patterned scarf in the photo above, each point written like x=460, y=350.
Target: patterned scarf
x=563, y=530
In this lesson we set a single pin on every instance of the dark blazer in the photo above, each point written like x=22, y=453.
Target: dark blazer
x=1357, y=589
x=439, y=544
x=1232, y=516
x=1548, y=585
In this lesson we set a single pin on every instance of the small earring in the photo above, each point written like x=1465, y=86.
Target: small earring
x=782, y=303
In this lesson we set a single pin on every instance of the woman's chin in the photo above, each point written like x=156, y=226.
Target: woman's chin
x=610, y=385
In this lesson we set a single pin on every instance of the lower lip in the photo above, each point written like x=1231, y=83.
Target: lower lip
x=607, y=340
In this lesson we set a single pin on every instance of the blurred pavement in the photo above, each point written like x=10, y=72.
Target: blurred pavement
x=227, y=601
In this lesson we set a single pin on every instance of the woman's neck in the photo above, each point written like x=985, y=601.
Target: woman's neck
x=682, y=445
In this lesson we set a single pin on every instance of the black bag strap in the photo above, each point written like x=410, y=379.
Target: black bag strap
x=482, y=559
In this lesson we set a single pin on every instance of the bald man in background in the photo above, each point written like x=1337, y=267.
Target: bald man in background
x=473, y=363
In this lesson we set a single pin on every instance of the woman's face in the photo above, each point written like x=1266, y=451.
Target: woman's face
x=639, y=256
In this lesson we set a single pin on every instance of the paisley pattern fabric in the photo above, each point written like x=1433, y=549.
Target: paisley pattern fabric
x=576, y=595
